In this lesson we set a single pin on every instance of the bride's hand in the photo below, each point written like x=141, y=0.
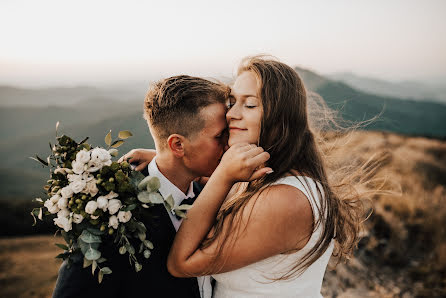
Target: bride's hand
x=243, y=162
x=139, y=157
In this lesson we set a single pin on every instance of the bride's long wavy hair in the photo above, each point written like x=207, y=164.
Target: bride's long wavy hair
x=286, y=133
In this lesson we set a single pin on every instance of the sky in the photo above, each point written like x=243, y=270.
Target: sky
x=61, y=42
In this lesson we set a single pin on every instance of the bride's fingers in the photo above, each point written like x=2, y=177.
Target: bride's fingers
x=259, y=159
x=260, y=173
x=254, y=151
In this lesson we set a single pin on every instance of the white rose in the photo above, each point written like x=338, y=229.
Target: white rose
x=54, y=199
x=77, y=218
x=91, y=207
x=78, y=167
x=112, y=195
x=94, y=166
x=53, y=209
x=124, y=216
x=63, y=213
x=108, y=163
x=74, y=177
x=113, y=222
x=100, y=154
x=66, y=192
x=102, y=203
x=63, y=222
x=114, y=205
x=91, y=188
x=78, y=186
x=87, y=176
x=83, y=156
x=63, y=203
x=48, y=204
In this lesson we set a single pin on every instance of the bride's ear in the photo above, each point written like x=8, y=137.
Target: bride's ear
x=176, y=144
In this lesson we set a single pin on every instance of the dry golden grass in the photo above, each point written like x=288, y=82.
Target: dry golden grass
x=403, y=253
x=28, y=267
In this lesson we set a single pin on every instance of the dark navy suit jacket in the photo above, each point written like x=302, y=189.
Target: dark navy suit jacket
x=152, y=281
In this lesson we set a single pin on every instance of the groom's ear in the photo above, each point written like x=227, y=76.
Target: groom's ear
x=176, y=144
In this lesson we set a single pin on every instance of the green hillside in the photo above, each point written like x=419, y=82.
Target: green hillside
x=396, y=115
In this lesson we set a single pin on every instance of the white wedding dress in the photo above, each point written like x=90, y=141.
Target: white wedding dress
x=255, y=280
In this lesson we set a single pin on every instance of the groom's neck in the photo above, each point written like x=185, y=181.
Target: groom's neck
x=173, y=170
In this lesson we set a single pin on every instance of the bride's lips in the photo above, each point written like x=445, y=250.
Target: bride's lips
x=233, y=128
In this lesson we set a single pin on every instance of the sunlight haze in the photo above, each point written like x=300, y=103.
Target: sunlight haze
x=87, y=42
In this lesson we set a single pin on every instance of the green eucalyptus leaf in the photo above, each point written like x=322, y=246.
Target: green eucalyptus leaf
x=89, y=237
x=106, y=270
x=94, y=265
x=155, y=198
x=101, y=260
x=100, y=276
x=170, y=201
x=87, y=263
x=92, y=254
x=130, y=207
x=184, y=207
x=144, y=197
x=124, y=134
x=180, y=213
x=116, y=144
x=149, y=183
x=148, y=244
x=108, y=138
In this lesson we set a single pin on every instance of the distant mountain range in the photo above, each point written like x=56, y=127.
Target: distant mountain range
x=28, y=118
x=408, y=116
x=62, y=96
x=405, y=89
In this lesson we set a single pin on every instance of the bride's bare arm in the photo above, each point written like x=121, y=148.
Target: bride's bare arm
x=280, y=213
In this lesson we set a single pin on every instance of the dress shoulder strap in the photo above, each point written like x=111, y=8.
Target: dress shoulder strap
x=310, y=188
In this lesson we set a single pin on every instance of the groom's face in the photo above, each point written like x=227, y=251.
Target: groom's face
x=203, y=151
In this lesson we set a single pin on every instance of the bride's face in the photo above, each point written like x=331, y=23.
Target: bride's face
x=244, y=110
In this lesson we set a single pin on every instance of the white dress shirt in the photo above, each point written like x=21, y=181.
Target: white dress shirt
x=168, y=188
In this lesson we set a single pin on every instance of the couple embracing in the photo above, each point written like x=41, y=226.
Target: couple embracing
x=266, y=221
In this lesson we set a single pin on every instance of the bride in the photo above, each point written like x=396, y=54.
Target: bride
x=272, y=236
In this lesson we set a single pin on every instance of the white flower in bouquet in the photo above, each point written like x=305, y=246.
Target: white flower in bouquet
x=78, y=186
x=113, y=222
x=64, y=223
x=111, y=195
x=66, y=192
x=94, y=166
x=55, y=199
x=87, y=176
x=124, y=216
x=91, y=188
x=101, y=155
x=77, y=218
x=91, y=207
x=63, y=213
x=102, y=203
x=74, y=177
x=114, y=205
x=62, y=203
x=83, y=156
x=52, y=208
x=78, y=167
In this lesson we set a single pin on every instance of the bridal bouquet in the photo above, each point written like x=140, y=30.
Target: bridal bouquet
x=92, y=198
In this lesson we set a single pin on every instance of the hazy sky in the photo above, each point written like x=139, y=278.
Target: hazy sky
x=48, y=42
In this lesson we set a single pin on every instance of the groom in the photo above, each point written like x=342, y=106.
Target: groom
x=186, y=117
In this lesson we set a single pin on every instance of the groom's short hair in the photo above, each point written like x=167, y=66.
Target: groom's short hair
x=172, y=105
